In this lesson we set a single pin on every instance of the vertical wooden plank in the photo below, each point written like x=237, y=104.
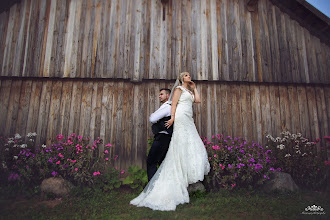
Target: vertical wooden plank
x=72, y=34
x=265, y=112
x=246, y=112
x=285, y=108
x=311, y=57
x=257, y=42
x=226, y=110
x=30, y=39
x=86, y=108
x=313, y=114
x=303, y=111
x=13, y=106
x=4, y=21
x=94, y=110
x=113, y=41
x=75, y=107
x=275, y=112
x=5, y=102
x=21, y=39
x=65, y=107
x=43, y=116
x=23, y=110
x=32, y=119
x=97, y=110
x=106, y=113
x=214, y=41
x=236, y=109
x=294, y=108
x=47, y=50
x=292, y=42
x=120, y=37
x=54, y=113
x=88, y=28
x=322, y=113
x=138, y=46
x=6, y=71
x=195, y=40
x=274, y=43
x=256, y=113
x=265, y=42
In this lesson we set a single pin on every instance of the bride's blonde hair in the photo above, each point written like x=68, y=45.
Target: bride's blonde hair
x=180, y=77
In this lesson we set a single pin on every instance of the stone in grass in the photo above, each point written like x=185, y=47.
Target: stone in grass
x=55, y=185
x=196, y=187
x=281, y=182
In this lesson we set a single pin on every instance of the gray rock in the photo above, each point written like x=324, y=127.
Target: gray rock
x=280, y=181
x=196, y=187
x=56, y=185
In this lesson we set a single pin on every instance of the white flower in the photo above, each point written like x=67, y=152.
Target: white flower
x=31, y=140
x=283, y=139
x=31, y=134
x=4, y=165
x=296, y=147
x=11, y=140
x=287, y=155
x=15, y=145
x=278, y=139
x=298, y=152
x=281, y=146
x=15, y=157
x=17, y=136
x=23, y=145
x=303, y=154
x=44, y=145
x=7, y=149
x=294, y=136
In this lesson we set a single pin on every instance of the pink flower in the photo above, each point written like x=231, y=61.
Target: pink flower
x=108, y=145
x=116, y=157
x=60, y=155
x=73, y=161
x=123, y=171
x=96, y=173
x=58, y=162
x=106, y=158
x=59, y=137
x=214, y=155
x=75, y=169
x=106, y=151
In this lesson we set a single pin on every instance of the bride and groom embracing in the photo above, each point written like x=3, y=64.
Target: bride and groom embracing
x=177, y=146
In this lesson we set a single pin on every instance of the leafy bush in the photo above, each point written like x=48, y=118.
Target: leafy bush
x=137, y=178
x=72, y=158
x=298, y=156
x=236, y=163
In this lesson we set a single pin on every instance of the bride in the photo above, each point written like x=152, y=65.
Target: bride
x=186, y=161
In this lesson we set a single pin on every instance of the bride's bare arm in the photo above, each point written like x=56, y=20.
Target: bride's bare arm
x=196, y=94
x=175, y=99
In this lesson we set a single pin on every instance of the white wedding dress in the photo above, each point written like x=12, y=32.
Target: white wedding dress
x=186, y=162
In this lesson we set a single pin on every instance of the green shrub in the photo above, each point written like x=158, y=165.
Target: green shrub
x=298, y=156
x=72, y=158
x=137, y=178
x=236, y=163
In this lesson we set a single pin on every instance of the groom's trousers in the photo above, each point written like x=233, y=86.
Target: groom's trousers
x=157, y=153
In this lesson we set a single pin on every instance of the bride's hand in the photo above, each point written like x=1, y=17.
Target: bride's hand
x=192, y=85
x=169, y=123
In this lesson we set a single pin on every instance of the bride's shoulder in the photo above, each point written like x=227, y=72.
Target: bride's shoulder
x=179, y=87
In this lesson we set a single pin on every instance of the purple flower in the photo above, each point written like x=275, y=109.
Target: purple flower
x=230, y=166
x=54, y=173
x=251, y=160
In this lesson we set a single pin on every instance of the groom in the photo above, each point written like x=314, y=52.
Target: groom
x=162, y=136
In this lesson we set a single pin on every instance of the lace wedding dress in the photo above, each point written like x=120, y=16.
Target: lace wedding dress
x=185, y=163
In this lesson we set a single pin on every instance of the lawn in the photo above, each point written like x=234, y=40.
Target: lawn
x=220, y=205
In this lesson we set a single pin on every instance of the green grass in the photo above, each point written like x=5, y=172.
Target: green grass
x=220, y=205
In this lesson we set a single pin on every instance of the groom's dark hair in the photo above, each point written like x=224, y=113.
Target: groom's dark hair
x=166, y=90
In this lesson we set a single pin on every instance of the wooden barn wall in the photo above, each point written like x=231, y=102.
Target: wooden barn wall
x=118, y=111
x=215, y=40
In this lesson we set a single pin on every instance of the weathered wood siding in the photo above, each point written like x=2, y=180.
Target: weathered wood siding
x=132, y=39
x=118, y=111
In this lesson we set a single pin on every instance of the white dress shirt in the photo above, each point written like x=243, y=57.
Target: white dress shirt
x=163, y=111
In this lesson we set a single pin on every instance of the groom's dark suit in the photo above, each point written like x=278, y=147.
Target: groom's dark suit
x=162, y=139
